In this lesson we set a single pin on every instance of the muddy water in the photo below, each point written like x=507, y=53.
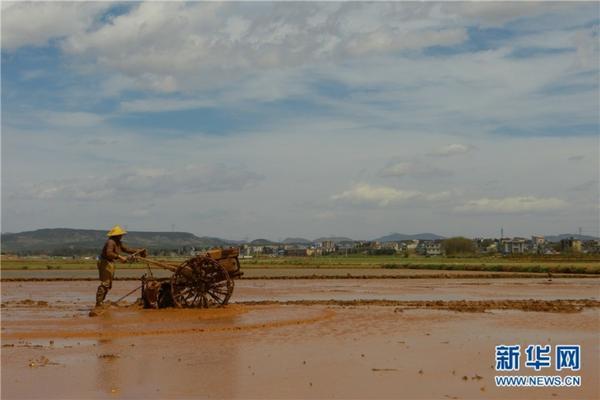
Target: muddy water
x=82, y=293
x=291, y=352
x=421, y=289
x=51, y=349
x=288, y=272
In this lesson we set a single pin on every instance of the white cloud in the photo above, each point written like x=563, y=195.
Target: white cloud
x=510, y=205
x=35, y=23
x=175, y=46
x=72, y=119
x=163, y=105
x=258, y=52
x=142, y=212
x=452, y=149
x=70, y=189
x=98, y=141
x=363, y=193
x=325, y=215
x=491, y=13
x=587, y=186
x=412, y=168
x=576, y=158
x=28, y=75
x=154, y=182
x=588, y=48
x=398, y=169
x=352, y=80
x=383, y=41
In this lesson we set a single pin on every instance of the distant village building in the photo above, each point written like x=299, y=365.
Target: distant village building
x=296, y=252
x=591, y=246
x=345, y=247
x=293, y=247
x=570, y=245
x=256, y=249
x=366, y=247
x=327, y=246
x=486, y=245
x=537, y=244
x=314, y=251
x=513, y=246
x=396, y=246
x=538, y=240
x=492, y=248
x=410, y=245
x=429, y=248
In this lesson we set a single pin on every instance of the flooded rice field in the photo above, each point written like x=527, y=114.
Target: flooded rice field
x=295, y=338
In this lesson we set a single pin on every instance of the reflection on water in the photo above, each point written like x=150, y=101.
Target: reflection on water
x=199, y=364
x=108, y=376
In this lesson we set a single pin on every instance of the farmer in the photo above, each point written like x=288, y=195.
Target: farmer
x=110, y=253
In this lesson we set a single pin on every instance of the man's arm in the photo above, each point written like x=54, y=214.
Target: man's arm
x=112, y=251
x=126, y=249
x=142, y=252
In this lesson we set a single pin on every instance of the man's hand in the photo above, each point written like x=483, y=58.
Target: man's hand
x=122, y=259
x=142, y=253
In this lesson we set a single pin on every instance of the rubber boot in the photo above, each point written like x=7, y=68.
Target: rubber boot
x=100, y=295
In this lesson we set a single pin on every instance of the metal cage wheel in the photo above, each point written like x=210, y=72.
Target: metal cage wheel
x=201, y=282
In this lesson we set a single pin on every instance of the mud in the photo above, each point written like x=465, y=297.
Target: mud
x=279, y=275
x=132, y=321
x=26, y=303
x=558, y=306
x=80, y=294
x=380, y=339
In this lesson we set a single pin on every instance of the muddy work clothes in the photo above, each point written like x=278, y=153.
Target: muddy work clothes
x=106, y=266
x=112, y=248
x=106, y=270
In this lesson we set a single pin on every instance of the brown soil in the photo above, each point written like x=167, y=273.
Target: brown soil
x=287, y=341
x=561, y=305
x=417, y=274
x=461, y=306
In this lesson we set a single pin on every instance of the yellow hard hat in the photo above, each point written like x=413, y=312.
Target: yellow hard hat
x=116, y=231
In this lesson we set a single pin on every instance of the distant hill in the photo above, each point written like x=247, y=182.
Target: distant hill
x=335, y=239
x=397, y=237
x=296, y=241
x=558, y=238
x=62, y=241
x=261, y=242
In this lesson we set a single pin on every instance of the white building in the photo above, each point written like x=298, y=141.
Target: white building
x=513, y=246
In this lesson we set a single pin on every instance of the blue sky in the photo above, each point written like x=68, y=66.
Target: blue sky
x=248, y=120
